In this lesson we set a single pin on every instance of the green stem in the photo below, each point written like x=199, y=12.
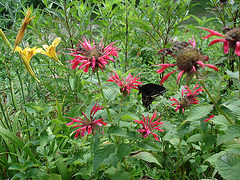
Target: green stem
x=239, y=75
x=104, y=99
x=178, y=157
x=5, y=117
x=125, y=163
x=215, y=104
x=20, y=81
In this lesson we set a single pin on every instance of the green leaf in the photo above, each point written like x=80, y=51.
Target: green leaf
x=54, y=177
x=232, y=132
x=213, y=159
x=221, y=122
x=18, y=142
x=235, y=173
x=234, y=75
x=226, y=164
x=195, y=138
x=146, y=156
x=199, y=111
x=130, y=116
x=216, y=90
x=101, y=154
x=123, y=150
x=110, y=94
x=122, y=175
x=147, y=146
x=116, y=131
x=61, y=165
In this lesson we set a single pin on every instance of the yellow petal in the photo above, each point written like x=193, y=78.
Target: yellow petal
x=56, y=41
x=28, y=67
x=18, y=49
x=50, y=51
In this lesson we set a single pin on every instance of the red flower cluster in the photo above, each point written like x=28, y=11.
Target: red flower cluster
x=125, y=85
x=231, y=40
x=188, y=61
x=94, y=56
x=208, y=119
x=187, y=99
x=87, y=124
x=149, y=125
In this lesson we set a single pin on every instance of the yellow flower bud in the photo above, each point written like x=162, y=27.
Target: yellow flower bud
x=22, y=29
x=5, y=39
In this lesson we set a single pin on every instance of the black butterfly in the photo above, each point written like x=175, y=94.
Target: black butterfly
x=149, y=92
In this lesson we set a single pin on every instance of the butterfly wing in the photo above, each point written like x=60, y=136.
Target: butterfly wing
x=149, y=92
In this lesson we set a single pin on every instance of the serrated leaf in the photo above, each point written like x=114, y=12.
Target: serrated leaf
x=116, y=131
x=213, y=159
x=101, y=154
x=130, y=116
x=199, y=111
x=226, y=163
x=110, y=94
x=123, y=150
x=195, y=138
x=221, y=122
x=235, y=110
x=122, y=175
x=146, y=156
x=232, y=132
x=54, y=177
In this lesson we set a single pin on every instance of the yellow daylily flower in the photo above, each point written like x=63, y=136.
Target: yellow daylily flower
x=26, y=56
x=50, y=51
x=22, y=29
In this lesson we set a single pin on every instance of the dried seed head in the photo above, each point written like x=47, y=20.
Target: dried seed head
x=187, y=58
x=233, y=36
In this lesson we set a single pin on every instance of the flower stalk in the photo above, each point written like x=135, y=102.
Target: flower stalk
x=104, y=99
x=214, y=102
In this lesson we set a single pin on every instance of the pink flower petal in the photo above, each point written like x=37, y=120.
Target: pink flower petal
x=180, y=75
x=193, y=43
x=237, y=49
x=212, y=33
x=167, y=76
x=212, y=66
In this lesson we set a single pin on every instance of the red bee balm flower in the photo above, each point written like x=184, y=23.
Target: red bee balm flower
x=188, y=61
x=191, y=94
x=128, y=84
x=94, y=56
x=189, y=98
x=232, y=39
x=149, y=125
x=87, y=124
x=208, y=119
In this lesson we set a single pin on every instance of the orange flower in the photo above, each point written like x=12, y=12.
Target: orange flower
x=22, y=29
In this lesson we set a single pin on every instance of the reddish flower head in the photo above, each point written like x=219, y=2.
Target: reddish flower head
x=191, y=95
x=189, y=60
x=231, y=40
x=87, y=124
x=189, y=98
x=149, y=125
x=94, y=56
x=208, y=119
x=125, y=85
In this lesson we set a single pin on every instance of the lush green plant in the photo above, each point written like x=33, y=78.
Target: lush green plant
x=43, y=99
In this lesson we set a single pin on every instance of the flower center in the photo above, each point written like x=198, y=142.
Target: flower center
x=183, y=103
x=187, y=58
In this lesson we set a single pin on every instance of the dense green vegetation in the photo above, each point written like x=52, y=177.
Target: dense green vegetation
x=71, y=72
